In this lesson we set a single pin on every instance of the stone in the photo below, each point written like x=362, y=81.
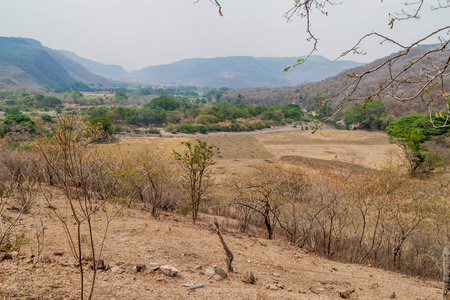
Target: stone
x=248, y=277
x=5, y=256
x=316, y=290
x=346, y=294
x=117, y=269
x=14, y=253
x=196, y=286
x=198, y=267
x=393, y=295
x=220, y=272
x=272, y=287
x=100, y=265
x=46, y=260
x=169, y=270
x=58, y=253
x=276, y=274
x=139, y=268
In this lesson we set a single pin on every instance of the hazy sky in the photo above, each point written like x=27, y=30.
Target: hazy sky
x=139, y=33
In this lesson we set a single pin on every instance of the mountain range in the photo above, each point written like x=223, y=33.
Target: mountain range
x=27, y=63
x=241, y=71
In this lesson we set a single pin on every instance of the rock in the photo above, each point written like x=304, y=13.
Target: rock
x=29, y=260
x=276, y=274
x=220, y=272
x=198, y=267
x=33, y=298
x=210, y=272
x=58, y=253
x=248, y=277
x=334, y=269
x=281, y=286
x=272, y=287
x=5, y=256
x=169, y=270
x=289, y=289
x=100, y=265
x=346, y=294
x=393, y=295
x=316, y=290
x=46, y=260
x=14, y=253
x=196, y=286
x=139, y=268
x=117, y=269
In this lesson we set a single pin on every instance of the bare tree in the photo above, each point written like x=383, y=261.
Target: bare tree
x=90, y=178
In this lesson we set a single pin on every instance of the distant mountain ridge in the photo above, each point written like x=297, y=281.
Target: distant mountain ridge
x=27, y=63
x=241, y=71
x=306, y=93
x=108, y=71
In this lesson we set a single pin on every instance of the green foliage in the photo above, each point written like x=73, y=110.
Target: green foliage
x=206, y=119
x=367, y=114
x=18, y=119
x=401, y=127
x=107, y=125
x=164, y=102
x=46, y=118
x=195, y=161
x=410, y=132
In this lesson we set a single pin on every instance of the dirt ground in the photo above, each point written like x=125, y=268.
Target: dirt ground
x=136, y=238
x=281, y=270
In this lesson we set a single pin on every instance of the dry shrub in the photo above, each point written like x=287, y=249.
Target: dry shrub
x=382, y=217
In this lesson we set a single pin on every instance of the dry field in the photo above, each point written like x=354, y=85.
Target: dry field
x=239, y=151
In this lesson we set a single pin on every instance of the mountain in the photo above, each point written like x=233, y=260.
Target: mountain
x=27, y=63
x=307, y=93
x=241, y=71
x=108, y=71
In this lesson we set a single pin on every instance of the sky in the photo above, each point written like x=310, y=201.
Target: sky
x=140, y=33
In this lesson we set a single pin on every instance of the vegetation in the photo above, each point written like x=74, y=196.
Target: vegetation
x=195, y=161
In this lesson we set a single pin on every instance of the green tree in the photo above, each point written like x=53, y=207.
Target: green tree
x=367, y=115
x=165, y=102
x=195, y=161
x=107, y=125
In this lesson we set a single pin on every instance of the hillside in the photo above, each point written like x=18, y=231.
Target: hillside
x=282, y=271
x=240, y=71
x=108, y=71
x=307, y=93
x=27, y=63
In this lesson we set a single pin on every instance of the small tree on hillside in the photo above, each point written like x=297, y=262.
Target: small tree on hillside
x=195, y=161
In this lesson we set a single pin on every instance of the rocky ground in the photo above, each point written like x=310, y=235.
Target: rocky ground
x=169, y=258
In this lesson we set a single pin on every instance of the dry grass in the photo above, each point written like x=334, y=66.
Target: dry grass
x=239, y=151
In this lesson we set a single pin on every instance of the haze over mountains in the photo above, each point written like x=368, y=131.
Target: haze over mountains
x=27, y=63
x=242, y=71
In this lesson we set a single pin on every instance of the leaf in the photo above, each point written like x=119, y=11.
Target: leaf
x=300, y=61
x=433, y=84
x=220, y=11
x=427, y=91
x=408, y=79
x=391, y=23
x=286, y=69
